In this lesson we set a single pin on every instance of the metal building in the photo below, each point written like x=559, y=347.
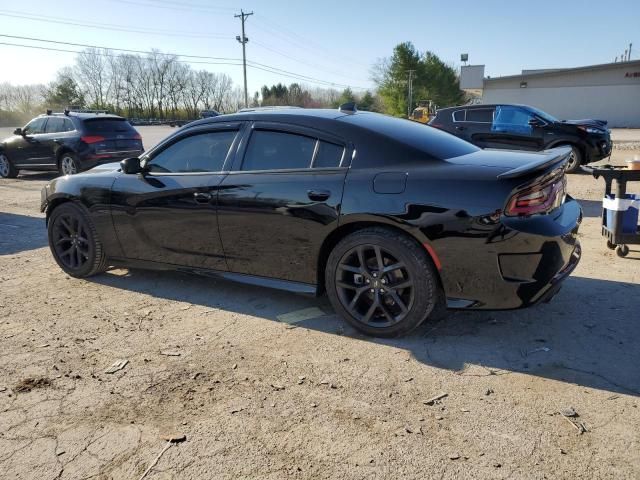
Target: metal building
x=609, y=91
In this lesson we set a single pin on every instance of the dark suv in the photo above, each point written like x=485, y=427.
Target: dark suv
x=68, y=142
x=521, y=127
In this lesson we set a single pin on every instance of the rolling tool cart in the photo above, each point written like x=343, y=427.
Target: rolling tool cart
x=619, y=209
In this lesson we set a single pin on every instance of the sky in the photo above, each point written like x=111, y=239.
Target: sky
x=329, y=42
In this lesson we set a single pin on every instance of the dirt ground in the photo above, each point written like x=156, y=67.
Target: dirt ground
x=261, y=398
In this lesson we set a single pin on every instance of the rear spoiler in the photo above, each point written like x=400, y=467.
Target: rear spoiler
x=551, y=157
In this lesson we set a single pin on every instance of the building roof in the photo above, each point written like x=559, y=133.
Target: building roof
x=562, y=71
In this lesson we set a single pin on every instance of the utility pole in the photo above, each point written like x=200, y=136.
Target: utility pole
x=411, y=72
x=243, y=40
x=629, y=56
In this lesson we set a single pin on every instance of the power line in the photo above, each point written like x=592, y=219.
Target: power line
x=258, y=65
x=108, y=26
x=115, y=27
x=176, y=6
x=264, y=68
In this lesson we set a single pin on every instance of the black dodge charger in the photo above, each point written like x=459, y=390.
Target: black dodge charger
x=390, y=218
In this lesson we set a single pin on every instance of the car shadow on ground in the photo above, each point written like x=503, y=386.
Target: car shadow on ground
x=588, y=334
x=19, y=233
x=41, y=176
x=591, y=208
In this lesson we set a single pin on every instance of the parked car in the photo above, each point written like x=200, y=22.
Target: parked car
x=69, y=142
x=391, y=218
x=526, y=128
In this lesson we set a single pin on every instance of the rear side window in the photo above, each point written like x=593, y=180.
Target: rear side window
x=107, y=125
x=269, y=150
x=68, y=126
x=55, y=125
x=204, y=152
x=328, y=155
x=484, y=115
x=459, y=116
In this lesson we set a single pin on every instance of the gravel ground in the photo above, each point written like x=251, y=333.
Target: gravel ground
x=261, y=398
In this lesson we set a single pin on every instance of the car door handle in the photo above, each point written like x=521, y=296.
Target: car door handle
x=318, y=195
x=202, y=197
x=459, y=128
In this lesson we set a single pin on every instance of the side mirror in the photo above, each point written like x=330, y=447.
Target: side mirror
x=18, y=131
x=131, y=165
x=534, y=122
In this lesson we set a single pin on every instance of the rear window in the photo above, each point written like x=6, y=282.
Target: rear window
x=433, y=141
x=107, y=125
x=484, y=115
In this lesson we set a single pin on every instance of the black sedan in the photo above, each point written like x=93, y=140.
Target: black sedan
x=523, y=127
x=390, y=218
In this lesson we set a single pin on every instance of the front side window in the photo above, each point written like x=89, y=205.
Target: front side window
x=483, y=115
x=35, y=127
x=268, y=150
x=204, y=152
x=512, y=120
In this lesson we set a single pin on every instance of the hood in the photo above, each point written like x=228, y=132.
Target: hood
x=101, y=169
x=587, y=122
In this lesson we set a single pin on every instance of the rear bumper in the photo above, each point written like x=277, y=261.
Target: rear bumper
x=522, y=263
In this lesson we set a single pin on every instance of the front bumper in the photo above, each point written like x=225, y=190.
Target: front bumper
x=598, y=148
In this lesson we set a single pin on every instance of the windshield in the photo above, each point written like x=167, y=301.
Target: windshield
x=544, y=115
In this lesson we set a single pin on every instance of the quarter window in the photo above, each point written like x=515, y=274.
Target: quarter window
x=204, y=152
x=484, y=115
x=328, y=155
x=458, y=116
x=269, y=150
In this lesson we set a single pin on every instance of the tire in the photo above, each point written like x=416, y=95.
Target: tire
x=611, y=246
x=575, y=160
x=7, y=169
x=68, y=164
x=74, y=242
x=388, y=304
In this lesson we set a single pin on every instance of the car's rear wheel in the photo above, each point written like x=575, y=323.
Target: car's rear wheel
x=7, y=169
x=575, y=160
x=74, y=242
x=381, y=282
x=69, y=164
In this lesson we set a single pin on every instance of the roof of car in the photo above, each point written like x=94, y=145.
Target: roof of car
x=482, y=105
x=84, y=115
x=292, y=113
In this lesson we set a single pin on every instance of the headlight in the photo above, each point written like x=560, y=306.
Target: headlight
x=593, y=130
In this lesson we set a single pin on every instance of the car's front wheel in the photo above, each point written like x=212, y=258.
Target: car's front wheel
x=74, y=242
x=7, y=169
x=69, y=164
x=575, y=160
x=381, y=282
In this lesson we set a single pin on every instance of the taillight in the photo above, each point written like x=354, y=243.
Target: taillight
x=92, y=139
x=541, y=198
x=137, y=136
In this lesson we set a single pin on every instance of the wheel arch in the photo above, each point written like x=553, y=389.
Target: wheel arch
x=56, y=201
x=571, y=143
x=60, y=152
x=349, y=226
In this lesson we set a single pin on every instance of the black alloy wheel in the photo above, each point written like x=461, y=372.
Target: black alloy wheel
x=381, y=282
x=575, y=160
x=74, y=242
